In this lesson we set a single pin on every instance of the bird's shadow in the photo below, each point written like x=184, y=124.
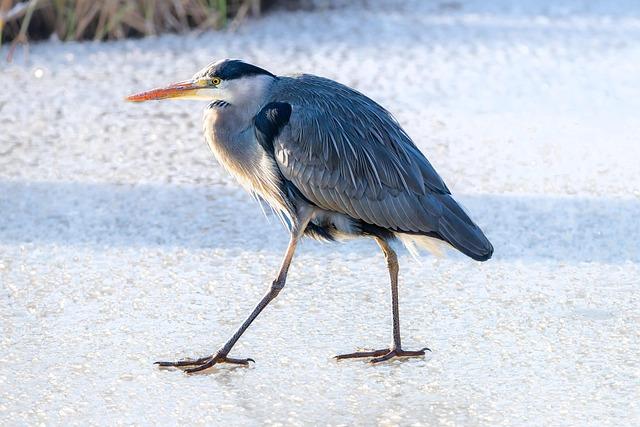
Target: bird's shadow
x=574, y=229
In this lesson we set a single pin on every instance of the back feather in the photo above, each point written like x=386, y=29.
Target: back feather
x=347, y=154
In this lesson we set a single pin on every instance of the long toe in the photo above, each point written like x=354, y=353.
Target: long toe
x=398, y=352
x=184, y=362
x=373, y=353
x=196, y=365
x=219, y=359
x=201, y=367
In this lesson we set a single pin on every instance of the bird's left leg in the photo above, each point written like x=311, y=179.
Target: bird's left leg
x=195, y=365
x=396, y=350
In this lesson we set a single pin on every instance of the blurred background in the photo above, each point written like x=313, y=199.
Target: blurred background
x=117, y=19
x=122, y=241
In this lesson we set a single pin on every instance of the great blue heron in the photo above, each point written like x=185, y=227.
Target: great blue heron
x=333, y=163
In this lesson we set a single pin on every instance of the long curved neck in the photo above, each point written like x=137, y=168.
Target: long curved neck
x=229, y=130
x=228, y=121
x=230, y=134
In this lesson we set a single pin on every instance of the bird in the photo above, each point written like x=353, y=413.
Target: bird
x=333, y=164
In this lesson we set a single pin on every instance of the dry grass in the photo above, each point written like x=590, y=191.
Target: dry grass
x=21, y=20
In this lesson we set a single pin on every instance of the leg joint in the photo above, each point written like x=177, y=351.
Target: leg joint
x=387, y=250
x=276, y=287
x=391, y=258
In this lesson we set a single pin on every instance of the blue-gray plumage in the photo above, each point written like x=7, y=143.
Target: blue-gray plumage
x=345, y=153
x=332, y=163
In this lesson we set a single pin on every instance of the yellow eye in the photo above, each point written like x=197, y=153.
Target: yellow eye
x=215, y=81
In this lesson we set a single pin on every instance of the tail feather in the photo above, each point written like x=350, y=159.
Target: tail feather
x=461, y=232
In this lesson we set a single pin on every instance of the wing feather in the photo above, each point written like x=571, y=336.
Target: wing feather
x=346, y=153
x=338, y=139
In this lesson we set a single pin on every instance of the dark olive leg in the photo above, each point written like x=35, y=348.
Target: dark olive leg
x=396, y=351
x=221, y=355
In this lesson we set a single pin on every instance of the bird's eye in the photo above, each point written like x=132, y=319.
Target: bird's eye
x=215, y=81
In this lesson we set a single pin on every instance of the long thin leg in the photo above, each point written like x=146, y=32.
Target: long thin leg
x=277, y=285
x=393, y=267
x=396, y=350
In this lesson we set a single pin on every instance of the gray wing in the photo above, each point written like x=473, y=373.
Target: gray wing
x=346, y=153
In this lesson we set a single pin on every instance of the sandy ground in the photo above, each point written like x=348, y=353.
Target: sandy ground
x=123, y=242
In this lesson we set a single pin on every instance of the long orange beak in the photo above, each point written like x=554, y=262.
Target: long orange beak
x=187, y=89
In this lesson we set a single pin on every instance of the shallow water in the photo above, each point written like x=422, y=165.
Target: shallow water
x=123, y=242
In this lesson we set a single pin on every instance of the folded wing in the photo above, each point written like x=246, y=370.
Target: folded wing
x=346, y=153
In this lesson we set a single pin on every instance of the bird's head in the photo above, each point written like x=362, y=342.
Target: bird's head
x=229, y=80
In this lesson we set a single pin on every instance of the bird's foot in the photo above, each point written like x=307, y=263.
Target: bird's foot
x=383, y=354
x=196, y=365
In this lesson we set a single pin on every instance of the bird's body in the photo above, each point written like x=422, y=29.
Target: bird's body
x=384, y=180
x=332, y=162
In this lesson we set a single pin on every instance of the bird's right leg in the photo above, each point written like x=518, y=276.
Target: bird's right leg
x=396, y=350
x=195, y=365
